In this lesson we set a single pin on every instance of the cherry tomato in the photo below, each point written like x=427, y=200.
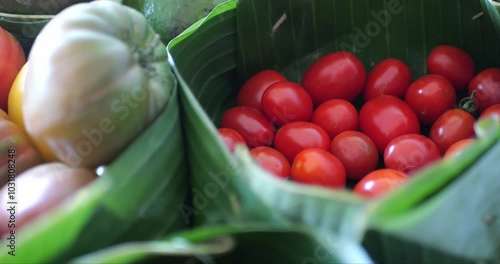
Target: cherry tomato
x=318, y=167
x=380, y=182
x=410, y=153
x=452, y=63
x=458, y=147
x=272, y=161
x=357, y=152
x=251, y=124
x=285, y=102
x=385, y=118
x=294, y=137
x=453, y=126
x=336, y=116
x=487, y=87
x=388, y=77
x=493, y=110
x=251, y=92
x=338, y=75
x=12, y=59
x=430, y=96
x=231, y=138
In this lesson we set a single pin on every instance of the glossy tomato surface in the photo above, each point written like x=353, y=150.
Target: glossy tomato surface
x=318, y=167
x=385, y=118
x=272, y=161
x=251, y=124
x=458, y=147
x=380, y=182
x=493, y=110
x=231, y=138
x=338, y=75
x=251, y=92
x=388, y=77
x=453, y=126
x=12, y=59
x=487, y=87
x=357, y=152
x=453, y=63
x=294, y=137
x=336, y=116
x=410, y=153
x=285, y=102
x=430, y=96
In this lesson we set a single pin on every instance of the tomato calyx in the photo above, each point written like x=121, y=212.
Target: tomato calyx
x=468, y=105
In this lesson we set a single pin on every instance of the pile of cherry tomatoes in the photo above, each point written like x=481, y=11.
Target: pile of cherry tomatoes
x=376, y=129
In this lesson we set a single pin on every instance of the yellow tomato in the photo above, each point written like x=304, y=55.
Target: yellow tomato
x=16, y=114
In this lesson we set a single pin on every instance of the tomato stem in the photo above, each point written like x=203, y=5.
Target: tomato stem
x=468, y=104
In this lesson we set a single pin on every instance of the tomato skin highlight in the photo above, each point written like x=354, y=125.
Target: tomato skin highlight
x=285, y=102
x=458, y=147
x=386, y=117
x=493, y=110
x=295, y=137
x=251, y=124
x=338, y=75
x=487, y=87
x=388, y=77
x=357, y=152
x=410, y=153
x=231, y=138
x=318, y=167
x=336, y=116
x=272, y=161
x=379, y=183
x=12, y=58
x=251, y=92
x=453, y=126
x=453, y=63
x=430, y=96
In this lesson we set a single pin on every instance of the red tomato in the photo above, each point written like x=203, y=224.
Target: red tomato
x=430, y=96
x=357, y=152
x=487, y=87
x=458, y=147
x=285, y=102
x=251, y=92
x=491, y=111
x=338, y=75
x=380, y=182
x=410, y=153
x=385, y=118
x=388, y=77
x=318, y=167
x=336, y=116
x=230, y=137
x=272, y=161
x=452, y=63
x=294, y=137
x=12, y=59
x=251, y=124
x=453, y=126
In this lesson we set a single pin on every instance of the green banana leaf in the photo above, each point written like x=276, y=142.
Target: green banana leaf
x=492, y=12
x=231, y=244
x=24, y=27
x=136, y=198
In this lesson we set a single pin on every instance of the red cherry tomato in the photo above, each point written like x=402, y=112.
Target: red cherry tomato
x=452, y=63
x=251, y=124
x=487, y=87
x=231, y=138
x=12, y=59
x=458, y=147
x=380, y=182
x=272, y=161
x=430, y=96
x=338, y=75
x=385, y=118
x=251, y=92
x=294, y=137
x=493, y=110
x=285, y=102
x=410, y=153
x=357, y=152
x=318, y=167
x=336, y=116
x=453, y=126
x=388, y=77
